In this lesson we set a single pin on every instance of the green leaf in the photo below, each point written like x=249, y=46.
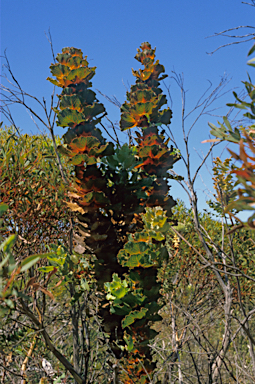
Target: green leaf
x=72, y=102
x=138, y=260
x=46, y=269
x=251, y=50
x=84, y=284
x=28, y=262
x=126, y=122
x=117, y=288
x=129, y=341
x=165, y=117
x=93, y=110
x=112, y=162
x=132, y=316
x=69, y=117
x=81, y=159
x=120, y=310
x=159, y=236
x=249, y=115
x=3, y=208
x=8, y=243
x=134, y=248
x=81, y=73
x=59, y=379
x=53, y=81
x=240, y=106
x=227, y=123
x=134, y=299
x=58, y=260
x=4, y=261
x=84, y=143
x=9, y=303
x=250, y=62
x=59, y=70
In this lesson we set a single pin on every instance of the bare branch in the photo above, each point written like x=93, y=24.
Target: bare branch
x=247, y=36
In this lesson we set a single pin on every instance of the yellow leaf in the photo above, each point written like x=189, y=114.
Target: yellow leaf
x=75, y=207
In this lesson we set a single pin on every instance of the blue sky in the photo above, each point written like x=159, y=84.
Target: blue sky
x=109, y=32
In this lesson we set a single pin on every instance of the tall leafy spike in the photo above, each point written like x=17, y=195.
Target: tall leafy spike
x=81, y=112
x=143, y=109
x=144, y=101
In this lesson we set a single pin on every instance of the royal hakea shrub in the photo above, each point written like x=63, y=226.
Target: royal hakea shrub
x=120, y=196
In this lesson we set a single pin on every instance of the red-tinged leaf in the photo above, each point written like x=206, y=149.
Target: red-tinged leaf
x=72, y=52
x=13, y=275
x=51, y=274
x=242, y=155
x=233, y=154
x=81, y=144
x=244, y=174
x=127, y=122
x=79, y=74
x=251, y=143
x=72, y=102
x=35, y=286
x=69, y=117
x=46, y=292
x=59, y=70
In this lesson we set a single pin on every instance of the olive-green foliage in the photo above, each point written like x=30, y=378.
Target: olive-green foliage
x=194, y=300
x=244, y=136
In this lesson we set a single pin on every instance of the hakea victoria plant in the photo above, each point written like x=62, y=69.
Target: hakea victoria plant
x=120, y=197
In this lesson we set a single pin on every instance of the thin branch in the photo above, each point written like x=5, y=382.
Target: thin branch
x=13, y=373
x=230, y=29
x=49, y=38
x=228, y=44
x=203, y=161
x=252, y=5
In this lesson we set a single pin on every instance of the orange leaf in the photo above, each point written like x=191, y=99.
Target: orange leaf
x=210, y=141
x=60, y=281
x=14, y=273
x=47, y=293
